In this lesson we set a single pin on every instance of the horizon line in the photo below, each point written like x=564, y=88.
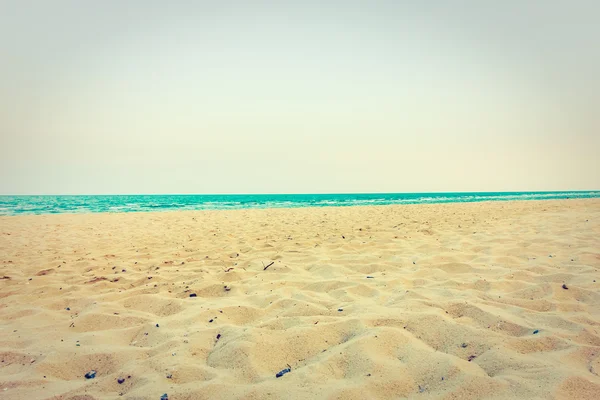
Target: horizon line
x=298, y=193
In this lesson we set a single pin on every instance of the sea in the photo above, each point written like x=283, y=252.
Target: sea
x=17, y=205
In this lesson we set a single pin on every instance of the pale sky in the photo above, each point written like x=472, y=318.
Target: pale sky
x=107, y=97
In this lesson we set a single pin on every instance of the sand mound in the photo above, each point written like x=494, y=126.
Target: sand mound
x=469, y=301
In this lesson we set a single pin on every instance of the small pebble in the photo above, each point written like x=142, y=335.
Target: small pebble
x=340, y=309
x=370, y=277
x=464, y=345
x=536, y=331
x=564, y=286
x=90, y=375
x=120, y=380
x=192, y=294
x=68, y=309
x=211, y=320
x=282, y=372
x=218, y=336
x=164, y=397
x=157, y=326
x=169, y=376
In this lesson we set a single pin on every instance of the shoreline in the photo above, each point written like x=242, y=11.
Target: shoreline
x=143, y=212
x=20, y=205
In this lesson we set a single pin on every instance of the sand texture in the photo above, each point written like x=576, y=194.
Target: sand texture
x=455, y=301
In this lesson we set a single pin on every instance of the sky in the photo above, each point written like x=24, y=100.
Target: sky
x=305, y=96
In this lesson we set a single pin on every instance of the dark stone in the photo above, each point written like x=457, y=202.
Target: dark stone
x=120, y=380
x=164, y=397
x=192, y=294
x=169, y=376
x=340, y=309
x=464, y=345
x=157, y=326
x=536, y=332
x=90, y=375
x=218, y=336
x=68, y=308
x=283, y=372
x=370, y=277
x=564, y=286
x=211, y=320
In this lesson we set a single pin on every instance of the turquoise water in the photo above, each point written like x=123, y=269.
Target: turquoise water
x=15, y=205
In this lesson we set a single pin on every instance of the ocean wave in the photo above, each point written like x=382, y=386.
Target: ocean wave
x=15, y=205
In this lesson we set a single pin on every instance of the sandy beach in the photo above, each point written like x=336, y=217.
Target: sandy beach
x=497, y=300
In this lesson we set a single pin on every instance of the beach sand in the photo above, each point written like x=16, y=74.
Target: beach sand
x=420, y=301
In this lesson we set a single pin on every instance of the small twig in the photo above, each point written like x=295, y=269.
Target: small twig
x=265, y=268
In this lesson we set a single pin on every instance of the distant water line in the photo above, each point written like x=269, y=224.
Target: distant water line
x=17, y=205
